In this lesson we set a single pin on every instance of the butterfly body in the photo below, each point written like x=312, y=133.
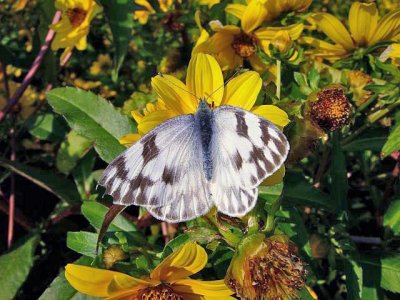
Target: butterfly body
x=188, y=164
x=204, y=124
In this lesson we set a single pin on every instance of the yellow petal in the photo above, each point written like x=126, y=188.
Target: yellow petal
x=236, y=9
x=153, y=119
x=275, y=178
x=257, y=64
x=204, y=77
x=215, y=288
x=388, y=28
x=174, y=94
x=268, y=33
x=324, y=49
x=95, y=282
x=334, y=29
x=242, y=91
x=254, y=15
x=363, y=19
x=273, y=114
x=129, y=139
x=186, y=261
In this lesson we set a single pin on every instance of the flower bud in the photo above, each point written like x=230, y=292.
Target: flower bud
x=113, y=254
x=330, y=109
x=282, y=41
x=266, y=268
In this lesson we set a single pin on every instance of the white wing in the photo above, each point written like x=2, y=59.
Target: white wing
x=246, y=149
x=162, y=172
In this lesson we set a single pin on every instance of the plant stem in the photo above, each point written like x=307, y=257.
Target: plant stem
x=372, y=118
x=278, y=79
x=32, y=71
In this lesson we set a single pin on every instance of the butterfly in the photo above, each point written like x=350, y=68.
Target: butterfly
x=188, y=164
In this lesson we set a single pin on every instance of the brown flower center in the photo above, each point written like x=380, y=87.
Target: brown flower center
x=332, y=110
x=276, y=273
x=76, y=16
x=159, y=292
x=244, y=44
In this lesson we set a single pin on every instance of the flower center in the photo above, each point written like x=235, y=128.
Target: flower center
x=76, y=16
x=159, y=292
x=244, y=44
x=277, y=272
x=332, y=110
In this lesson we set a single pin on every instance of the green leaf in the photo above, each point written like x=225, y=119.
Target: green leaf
x=373, y=140
x=392, y=216
x=60, y=289
x=293, y=227
x=7, y=57
x=60, y=186
x=15, y=267
x=84, y=177
x=92, y=117
x=71, y=151
x=298, y=191
x=50, y=66
x=354, y=279
x=338, y=172
x=95, y=212
x=47, y=127
x=175, y=244
x=119, y=16
x=393, y=142
x=305, y=294
x=382, y=271
x=82, y=242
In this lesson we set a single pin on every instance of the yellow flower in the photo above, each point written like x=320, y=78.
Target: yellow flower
x=204, y=78
x=210, y=3
x=392, y=52
x=266, y=268
x=143, y=15
x=169, y=280
x=265, y=10
x=231, y=44
x=365, y=29
x=28, y=103
x=102, y=65
x=73, y=28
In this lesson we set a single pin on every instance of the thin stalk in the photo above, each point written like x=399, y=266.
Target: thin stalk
x=32, y=71
x=278, y=78
x=372, y=118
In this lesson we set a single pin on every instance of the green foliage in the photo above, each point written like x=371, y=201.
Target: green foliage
x=60, y=289
x=60, y=186
x=82, y=242
x=392, y=216
x=92, y=117
x=72, y=149
x=338, y=202
x=119, y=16
x=47, y=127
x=15, y=266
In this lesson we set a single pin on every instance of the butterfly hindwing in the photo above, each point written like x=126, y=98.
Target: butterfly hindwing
x=246, y=149
x=161, y=169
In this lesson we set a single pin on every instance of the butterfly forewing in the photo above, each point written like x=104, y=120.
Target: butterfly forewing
x=162, y=168
x=246, y=149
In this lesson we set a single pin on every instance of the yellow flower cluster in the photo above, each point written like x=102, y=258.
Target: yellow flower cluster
x=169, y=280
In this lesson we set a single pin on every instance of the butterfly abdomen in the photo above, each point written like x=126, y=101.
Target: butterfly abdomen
x=204, y=124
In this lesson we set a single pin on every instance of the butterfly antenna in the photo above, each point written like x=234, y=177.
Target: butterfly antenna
x=179, y=87
x=225, y=83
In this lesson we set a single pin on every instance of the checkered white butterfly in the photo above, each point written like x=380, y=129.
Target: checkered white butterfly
x=182, y=168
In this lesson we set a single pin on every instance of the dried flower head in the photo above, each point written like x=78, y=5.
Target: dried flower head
x=331, y=110
x=266, y=268
x=113, y=254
